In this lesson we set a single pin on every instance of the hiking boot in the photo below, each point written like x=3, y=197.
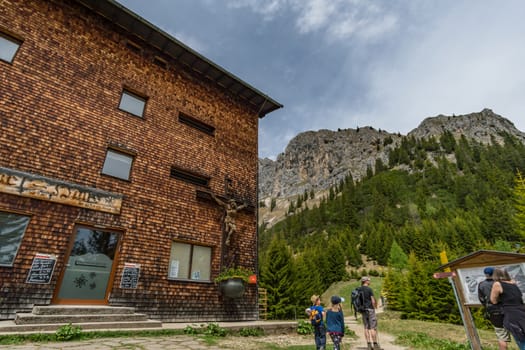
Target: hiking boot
x=377, y=347
x=370, y=346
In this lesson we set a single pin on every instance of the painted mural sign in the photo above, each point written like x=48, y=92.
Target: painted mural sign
x=39, y=187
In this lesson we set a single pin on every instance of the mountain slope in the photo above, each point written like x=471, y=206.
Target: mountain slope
x=315, y=160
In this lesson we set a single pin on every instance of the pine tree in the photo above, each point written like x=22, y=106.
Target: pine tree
x=277, y=276
x=397, y=259
x=393, y=289
x=519, y=205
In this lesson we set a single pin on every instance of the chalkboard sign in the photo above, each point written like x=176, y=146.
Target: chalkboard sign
x=42, y=269
x=130, y=276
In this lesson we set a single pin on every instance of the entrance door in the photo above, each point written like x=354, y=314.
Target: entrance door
x=89, y=269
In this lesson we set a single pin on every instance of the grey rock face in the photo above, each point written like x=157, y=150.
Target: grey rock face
x=315, y=160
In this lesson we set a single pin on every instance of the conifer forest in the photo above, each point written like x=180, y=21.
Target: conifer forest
x=445, y=194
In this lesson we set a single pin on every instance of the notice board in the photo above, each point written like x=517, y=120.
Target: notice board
x=41, y=269
x=130, y=276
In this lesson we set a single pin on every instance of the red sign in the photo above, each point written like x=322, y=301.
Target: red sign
x=443, y=274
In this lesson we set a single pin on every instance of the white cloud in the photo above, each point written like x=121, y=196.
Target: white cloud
x=459, y=64
x=338, y=19
x=268, y=8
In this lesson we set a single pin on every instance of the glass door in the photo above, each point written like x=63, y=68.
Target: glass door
x=89, y=269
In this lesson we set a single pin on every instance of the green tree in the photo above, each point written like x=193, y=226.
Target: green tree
x=519, y=205
x=277, y=276
x=397, y=259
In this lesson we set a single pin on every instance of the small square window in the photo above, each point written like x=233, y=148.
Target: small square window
x=117, y=164
x=8, y=47
x=132, y=103
x=188, y=261
x=12, y=229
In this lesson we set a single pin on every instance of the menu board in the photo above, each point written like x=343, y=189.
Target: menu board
x=41, y=269
x=130, y=276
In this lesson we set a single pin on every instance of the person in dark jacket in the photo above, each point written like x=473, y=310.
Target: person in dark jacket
x=507, y=293
x=335, y=321
x=493, y=311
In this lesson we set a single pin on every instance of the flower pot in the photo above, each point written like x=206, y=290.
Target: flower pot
x=232, y=288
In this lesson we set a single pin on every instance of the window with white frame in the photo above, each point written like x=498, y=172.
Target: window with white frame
x=12, y=229
x=189, y=262
x=132, y=103
x=117, y=164
x=8, y=47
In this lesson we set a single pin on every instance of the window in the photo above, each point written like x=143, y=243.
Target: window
x=8, y=47
x=197, y=124
x=189, y=176
x=132, y=103
x=117, y=164
x=12, y=229
x=188, y=261
x=134, y=47
x=160, y=62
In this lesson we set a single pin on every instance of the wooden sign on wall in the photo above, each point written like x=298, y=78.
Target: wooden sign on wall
x=24, y=184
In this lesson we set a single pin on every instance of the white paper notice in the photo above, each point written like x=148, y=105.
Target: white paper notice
x=174, y=269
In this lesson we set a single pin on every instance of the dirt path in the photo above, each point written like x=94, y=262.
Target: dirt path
x=385, y=340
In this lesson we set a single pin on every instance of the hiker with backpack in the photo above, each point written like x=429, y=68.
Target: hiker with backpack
x=335, y=321
x=316, y=315
x=365, y=303
x=493, y=312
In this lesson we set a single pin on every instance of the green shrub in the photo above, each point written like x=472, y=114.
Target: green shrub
x=191, y=330
x=251, y=332
x=304, y=327
x=213, y=329
x=68, y=332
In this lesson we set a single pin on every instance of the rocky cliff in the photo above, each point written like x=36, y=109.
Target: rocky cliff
x=315, y=160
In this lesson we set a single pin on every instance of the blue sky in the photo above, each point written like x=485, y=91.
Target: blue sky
x=353, y=63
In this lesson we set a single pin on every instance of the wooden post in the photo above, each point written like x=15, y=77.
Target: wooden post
x=466, y=315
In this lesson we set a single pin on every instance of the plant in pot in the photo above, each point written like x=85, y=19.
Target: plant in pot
x=232, y=281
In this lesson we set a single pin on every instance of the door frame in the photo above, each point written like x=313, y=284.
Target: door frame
x=56, y=300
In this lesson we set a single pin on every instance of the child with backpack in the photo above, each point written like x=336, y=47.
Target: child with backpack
x=316, y=314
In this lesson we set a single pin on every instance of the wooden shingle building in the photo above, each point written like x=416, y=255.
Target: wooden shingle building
x=118, y=144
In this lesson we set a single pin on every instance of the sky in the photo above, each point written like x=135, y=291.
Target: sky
x=337, y=64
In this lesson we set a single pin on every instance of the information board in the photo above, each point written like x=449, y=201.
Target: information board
x=41, y=269
x=130, y=276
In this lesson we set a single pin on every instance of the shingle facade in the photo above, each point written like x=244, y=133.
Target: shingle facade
x=60, y=113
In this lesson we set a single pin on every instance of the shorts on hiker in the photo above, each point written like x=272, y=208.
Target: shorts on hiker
x=502, y=334
x=370, y=319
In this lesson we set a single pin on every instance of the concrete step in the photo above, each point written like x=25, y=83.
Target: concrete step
x=81, y=310
x=11, y=327
x=30, y=318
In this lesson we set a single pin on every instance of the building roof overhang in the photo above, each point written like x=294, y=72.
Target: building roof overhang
x=154, y=36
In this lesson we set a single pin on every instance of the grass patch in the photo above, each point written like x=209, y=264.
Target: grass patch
x=66, y=333
x=436, y=336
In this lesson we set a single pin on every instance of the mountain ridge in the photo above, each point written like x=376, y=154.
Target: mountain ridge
x=313, y=161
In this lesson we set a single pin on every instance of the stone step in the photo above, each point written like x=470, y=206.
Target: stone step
x=11, y=327
x=30, y=318
x=81, y=310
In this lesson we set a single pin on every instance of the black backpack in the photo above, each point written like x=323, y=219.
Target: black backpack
x=358, y=301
